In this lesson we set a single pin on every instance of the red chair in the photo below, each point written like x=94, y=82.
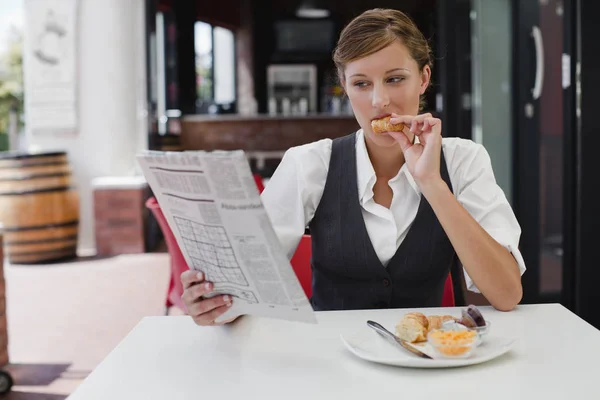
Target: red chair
x=178, y=263
x=301, y=264
x=259, y=182
x=448, y=296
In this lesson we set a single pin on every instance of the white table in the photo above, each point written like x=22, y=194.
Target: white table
x=557, y=357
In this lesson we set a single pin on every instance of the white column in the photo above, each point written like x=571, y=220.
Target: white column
x=112, y=100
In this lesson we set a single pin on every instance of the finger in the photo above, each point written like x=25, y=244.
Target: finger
x=402, y=119
x=230, y=320
x=406, y=120
x=195, y=293
x=419, y=117
x=432, y=137
x=413, y=123
x=190, y=278
x=402, y=140
x=416, y=127
x=434, y=122
x=423, y=117
x=207, y=305
x=216, y=313
x=432, y=125
x=426, y=125
x=209, y=318
x=426, y=116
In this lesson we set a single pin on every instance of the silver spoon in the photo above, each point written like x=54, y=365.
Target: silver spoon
x=395, y=339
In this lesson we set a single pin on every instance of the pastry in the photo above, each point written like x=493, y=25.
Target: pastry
x=413, y=327
x=383, y=125
x=436, y=321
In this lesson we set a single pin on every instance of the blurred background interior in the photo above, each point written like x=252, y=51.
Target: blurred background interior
x=87, y=84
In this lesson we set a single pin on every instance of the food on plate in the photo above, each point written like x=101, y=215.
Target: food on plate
x=413, y=327
x=436, y=321
x=382, y=125
x=453, y=343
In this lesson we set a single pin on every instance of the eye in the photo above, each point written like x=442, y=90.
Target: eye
x=396, y=79
x=361, y=84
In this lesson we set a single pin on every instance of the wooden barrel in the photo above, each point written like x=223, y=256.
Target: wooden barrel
x=3, y=327
x=39, y=207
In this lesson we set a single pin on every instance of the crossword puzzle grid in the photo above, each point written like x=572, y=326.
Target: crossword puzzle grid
x=217, y=260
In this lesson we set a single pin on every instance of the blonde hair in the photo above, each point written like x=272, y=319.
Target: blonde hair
x=376, y=29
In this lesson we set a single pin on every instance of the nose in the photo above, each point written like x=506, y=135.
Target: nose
x=380, y=98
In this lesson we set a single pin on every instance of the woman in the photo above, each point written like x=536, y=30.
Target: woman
x=388, y=213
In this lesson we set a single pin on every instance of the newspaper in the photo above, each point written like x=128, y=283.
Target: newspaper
x=213, y=207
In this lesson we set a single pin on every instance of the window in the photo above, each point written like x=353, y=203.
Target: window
x=215, y=67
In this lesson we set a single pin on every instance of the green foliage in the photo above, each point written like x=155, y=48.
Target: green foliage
x=11, y=79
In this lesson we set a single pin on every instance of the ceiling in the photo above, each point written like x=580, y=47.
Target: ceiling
x=354, y=7
x=229, y=12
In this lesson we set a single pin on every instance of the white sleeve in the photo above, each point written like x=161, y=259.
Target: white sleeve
x=293, y=193
x=476, y=189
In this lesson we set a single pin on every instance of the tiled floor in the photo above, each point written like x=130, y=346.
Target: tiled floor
x=63, y=319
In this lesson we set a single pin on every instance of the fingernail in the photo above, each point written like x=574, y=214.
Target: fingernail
x=227, y=298
x=207, y=286
x=200, y=275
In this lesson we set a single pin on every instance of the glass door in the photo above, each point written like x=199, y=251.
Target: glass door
x=520, y=78
x=542, y=140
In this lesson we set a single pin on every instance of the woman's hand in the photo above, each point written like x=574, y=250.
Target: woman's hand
x=203, y=311
x=422, y=158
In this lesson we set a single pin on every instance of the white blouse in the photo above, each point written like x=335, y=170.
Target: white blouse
x=292, y=196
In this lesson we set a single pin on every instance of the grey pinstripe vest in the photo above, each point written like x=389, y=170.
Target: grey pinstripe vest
x=347, y=273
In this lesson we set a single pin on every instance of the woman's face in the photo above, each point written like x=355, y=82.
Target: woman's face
x=385, y=82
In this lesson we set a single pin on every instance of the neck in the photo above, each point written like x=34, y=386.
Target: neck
x=386, y=161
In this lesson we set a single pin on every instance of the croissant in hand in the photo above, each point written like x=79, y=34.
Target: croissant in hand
x=384, y=125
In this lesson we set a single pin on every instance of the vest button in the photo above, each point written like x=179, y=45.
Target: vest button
x=386, y=282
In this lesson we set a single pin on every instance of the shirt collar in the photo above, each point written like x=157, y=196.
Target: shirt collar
x=366, y=174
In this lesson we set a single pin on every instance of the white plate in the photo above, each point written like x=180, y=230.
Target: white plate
x=368, y=345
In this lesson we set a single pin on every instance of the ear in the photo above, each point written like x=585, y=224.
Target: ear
x=343, y=84
x=425, y=78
